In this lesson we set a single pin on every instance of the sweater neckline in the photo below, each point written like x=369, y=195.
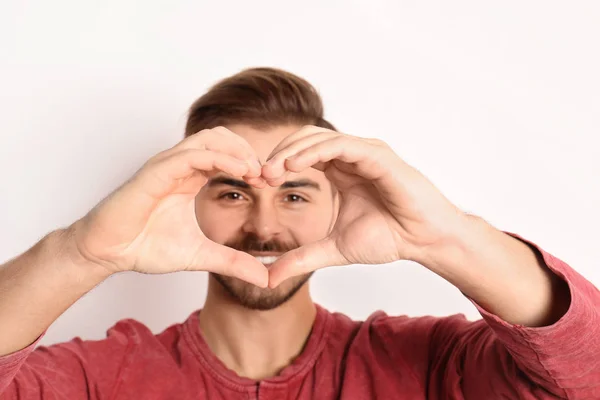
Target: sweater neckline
x=297, y=369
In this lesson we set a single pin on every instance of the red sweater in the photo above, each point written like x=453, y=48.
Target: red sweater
x=384, y=357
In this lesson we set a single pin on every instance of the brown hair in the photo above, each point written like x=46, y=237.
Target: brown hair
x=259, y=97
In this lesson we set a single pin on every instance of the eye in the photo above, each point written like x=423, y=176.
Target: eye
x=231, y=196
x=294, y=198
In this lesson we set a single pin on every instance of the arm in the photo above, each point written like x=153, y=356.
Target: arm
x=503, y=274
x=119, y=234
x=38, y=286
x=491, y=358
x=390, y=211
x=35, y=289
x=541, y=321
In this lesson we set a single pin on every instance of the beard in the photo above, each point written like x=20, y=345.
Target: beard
x=252, y=296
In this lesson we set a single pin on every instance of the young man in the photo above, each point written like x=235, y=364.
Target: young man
x=262, y=192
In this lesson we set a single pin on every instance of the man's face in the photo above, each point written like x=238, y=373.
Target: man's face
x=265, y=222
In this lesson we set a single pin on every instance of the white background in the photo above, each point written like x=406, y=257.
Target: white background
x=497, y=103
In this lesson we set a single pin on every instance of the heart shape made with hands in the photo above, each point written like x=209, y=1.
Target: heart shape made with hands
x=362, y=232
x=388, y=210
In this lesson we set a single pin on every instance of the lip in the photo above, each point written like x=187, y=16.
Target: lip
x=265, y=254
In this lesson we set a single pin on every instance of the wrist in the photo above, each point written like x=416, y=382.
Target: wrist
x=456, y=245
x=63, y=246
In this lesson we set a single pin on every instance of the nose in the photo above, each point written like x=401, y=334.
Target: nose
x=262, y=221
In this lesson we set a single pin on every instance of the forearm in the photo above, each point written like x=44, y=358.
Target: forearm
x=501, y=273
x=38, y=286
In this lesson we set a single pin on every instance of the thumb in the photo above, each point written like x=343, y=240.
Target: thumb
x=227, y=261
x=307, y=258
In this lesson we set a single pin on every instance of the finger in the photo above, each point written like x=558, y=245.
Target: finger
x=367, y=158
x=227, y=261
x=275, y=167
x=258, y=182
x=220, y=140
x=305, y=131
x=160, y=176
x=307, y=258
x=213, y=139
x=252, y=157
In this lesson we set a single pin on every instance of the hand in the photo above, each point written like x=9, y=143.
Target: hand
x=149, y=225
x=388, y=210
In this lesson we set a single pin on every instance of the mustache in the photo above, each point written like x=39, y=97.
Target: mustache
x=251, y=242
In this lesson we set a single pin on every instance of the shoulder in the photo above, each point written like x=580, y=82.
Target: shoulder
x=124, y=337
x=135, y=334
x=381, y=324
x=422, y=330
x=392, y=334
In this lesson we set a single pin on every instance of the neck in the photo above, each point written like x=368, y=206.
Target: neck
x=256, y=344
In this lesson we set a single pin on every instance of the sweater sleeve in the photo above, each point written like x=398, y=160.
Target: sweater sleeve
x=78, y=369
x=492, y=358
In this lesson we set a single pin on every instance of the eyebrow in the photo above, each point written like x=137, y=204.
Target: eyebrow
x=300, y=183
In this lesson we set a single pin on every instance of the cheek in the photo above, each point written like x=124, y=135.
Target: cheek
x=217, y=223
x=308, y=226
